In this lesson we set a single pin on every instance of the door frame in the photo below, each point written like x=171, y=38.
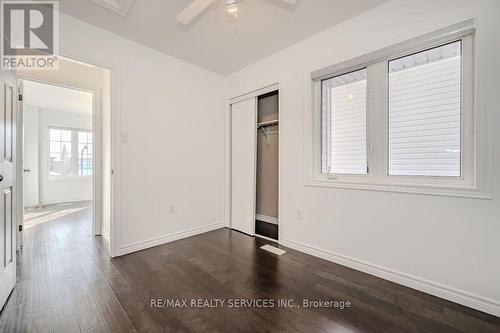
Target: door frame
x=260, y=90
x=114, y=70
x=96, y=220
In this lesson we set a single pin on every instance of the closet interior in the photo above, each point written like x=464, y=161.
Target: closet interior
x=267, y=185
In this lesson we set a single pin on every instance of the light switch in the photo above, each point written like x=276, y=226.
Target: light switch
x=124, y=137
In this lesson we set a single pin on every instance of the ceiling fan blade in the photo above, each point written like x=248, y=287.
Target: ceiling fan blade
x=193, y=10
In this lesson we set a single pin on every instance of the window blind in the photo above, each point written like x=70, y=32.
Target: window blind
x=344, y=123
x=424, y=113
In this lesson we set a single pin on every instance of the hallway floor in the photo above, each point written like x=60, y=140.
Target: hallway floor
x=60, y=287
x=67, y=283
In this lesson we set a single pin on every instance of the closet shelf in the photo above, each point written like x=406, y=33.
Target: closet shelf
x=267, y=123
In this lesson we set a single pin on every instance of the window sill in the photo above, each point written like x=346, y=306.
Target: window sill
x=427, y=189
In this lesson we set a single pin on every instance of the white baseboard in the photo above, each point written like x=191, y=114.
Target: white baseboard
x=266, y=238
x=265, y=218
x=449, y=293
x=137, y=246
x=105, y=235
x=60, y=201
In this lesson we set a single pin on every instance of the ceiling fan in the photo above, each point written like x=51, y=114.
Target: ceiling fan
x=198, y=6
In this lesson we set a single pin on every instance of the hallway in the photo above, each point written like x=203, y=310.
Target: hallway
x=60, y=287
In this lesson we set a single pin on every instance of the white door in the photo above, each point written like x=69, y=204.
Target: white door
x=243, y=165
x=8, y=103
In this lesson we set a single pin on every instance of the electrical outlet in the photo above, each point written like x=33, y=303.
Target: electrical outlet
x=171, y=209
x=298, y=214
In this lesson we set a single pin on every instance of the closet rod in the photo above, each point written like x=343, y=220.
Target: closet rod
x=267, y=123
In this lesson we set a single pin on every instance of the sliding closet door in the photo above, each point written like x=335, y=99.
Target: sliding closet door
x=243, y=154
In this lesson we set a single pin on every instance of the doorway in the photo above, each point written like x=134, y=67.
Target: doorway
x=57, y=153
x=253, y=200
x=66, y=119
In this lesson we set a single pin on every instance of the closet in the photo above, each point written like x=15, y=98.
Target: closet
x=266, y=207
x=254, y=163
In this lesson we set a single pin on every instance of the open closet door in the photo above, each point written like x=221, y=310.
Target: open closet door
x=243, y=155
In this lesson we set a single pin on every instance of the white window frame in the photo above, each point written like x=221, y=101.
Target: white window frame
x=474, y=178
x=74, y=153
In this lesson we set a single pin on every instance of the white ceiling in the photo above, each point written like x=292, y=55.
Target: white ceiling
x=213, y=41
x=55, y=98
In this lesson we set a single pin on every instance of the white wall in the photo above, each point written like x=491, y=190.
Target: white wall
x=443, y=245
x=173, y=114
x=30, y=156
x=64, y=189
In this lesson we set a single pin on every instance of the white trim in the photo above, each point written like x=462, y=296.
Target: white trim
x=62, y=201
x=268, y=219
x=155, y=241
x=114, y=90
x=449, y=293
x=254, y=93
x=266, y=238
x=450, y=191
x=19, y=168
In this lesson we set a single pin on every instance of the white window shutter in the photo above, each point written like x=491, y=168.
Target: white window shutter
x=424, y=113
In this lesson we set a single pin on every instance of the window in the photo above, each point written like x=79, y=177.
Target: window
x=403, y=119
x=60, y=157
x=344, y=123
x=70, y=152
x=84, y=153
x=424, y=113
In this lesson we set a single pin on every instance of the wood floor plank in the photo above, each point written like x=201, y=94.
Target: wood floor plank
x=14, y=320
x=67, y=326
x=40, y=323
x=88, y=313
x=112, y=312
x=98, y=329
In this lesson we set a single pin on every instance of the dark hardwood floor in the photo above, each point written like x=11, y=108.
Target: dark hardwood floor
x=67, y=283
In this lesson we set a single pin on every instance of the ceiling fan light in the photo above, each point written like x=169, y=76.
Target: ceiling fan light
x=232, y=7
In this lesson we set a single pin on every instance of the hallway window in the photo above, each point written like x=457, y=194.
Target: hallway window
x=70, y=152
x=60, y=157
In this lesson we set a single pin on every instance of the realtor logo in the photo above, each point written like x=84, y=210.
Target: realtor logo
x=29, y=35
